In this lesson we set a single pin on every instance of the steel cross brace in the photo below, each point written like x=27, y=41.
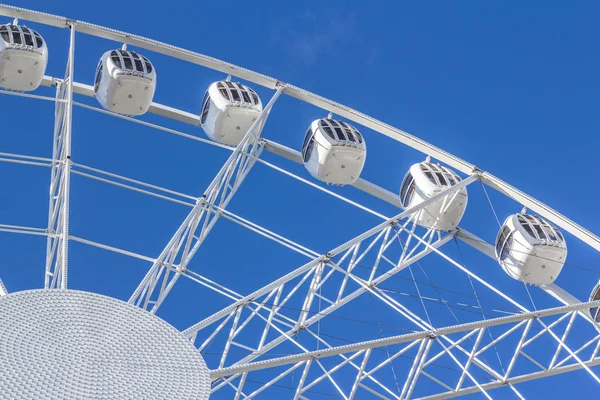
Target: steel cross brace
x=350, y=247
x=561, y=344
x=312, y=264
x=290, y=330
x=432, y=336
x=57, y=249
x=474, y=352
x=186, y=241
x=263, y=349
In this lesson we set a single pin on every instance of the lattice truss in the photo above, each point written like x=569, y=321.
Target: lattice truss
x=432, y=323
x=484, y=354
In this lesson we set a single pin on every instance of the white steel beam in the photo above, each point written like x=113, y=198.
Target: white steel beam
x=476, y=242
x=432, y=336
x=292, y=329
x=214, y=286
x=465, y=371
x=57, y=249
x=338, y=250
x=360, y=373
x=302, y=323
x=27, y=160
x=518, y=349
x=31, y=96
x=23, y=230
x=463, y=350
x=470, y=360
x=416, y=370
x=273, y=381
x=560, y=294
x=186, y=241
x=393, y=340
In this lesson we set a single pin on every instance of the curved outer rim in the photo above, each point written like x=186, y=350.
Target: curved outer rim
x=308, y=97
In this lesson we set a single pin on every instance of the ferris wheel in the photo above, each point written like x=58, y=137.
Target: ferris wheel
x=442, y=312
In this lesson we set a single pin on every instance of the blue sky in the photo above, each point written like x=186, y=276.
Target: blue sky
x=508, y=86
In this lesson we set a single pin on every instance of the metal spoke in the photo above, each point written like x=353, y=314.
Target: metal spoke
x=187, y=239
x=422, y=359
x=57, y=251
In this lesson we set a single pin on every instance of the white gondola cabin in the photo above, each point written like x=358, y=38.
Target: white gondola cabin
x=425, y=180
x=595, y=296
x=531, y=250
x=334, y=151
x=228, y=111
x=23, y=58
x=125, y=82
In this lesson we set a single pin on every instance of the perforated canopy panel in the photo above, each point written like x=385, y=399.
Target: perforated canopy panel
x=65, y=344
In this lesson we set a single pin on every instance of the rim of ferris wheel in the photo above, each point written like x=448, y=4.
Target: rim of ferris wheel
x=301, y=94
x=403, y=137
x=125, y=82
x=23, y=57
x=311, y=98
x=531, y=250
x=334, y=151
x=228, y=110
x=424, y=180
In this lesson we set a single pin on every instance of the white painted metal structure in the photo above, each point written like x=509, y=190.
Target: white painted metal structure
x=285, y=316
